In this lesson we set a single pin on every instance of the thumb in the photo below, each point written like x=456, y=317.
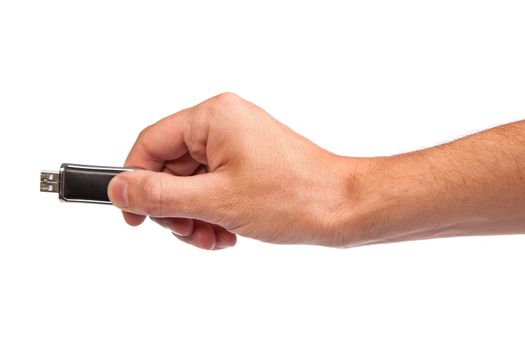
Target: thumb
x=159, y=194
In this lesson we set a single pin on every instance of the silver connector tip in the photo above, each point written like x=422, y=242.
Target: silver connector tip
x=49, y=181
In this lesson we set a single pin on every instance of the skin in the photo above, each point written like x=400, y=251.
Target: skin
x=225, y=167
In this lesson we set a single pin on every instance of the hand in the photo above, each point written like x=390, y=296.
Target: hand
x=225, y=168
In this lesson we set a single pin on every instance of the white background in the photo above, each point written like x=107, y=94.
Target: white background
x=79, y=80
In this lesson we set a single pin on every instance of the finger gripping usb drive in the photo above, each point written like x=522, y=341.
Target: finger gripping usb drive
x=80, y=183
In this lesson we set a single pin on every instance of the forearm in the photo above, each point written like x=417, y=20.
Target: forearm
x=474, y=185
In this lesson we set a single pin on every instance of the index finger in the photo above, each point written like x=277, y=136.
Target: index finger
x=159, y=142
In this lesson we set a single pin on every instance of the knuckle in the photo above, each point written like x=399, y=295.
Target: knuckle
x=141, y=137
x=225, y=99
x=144, y=132
x=230, y=208
x=144, y=137
x=153, y=198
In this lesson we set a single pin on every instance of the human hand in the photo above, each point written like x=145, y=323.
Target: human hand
x=224, y=168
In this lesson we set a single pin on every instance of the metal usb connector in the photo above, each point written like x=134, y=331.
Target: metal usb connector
x=49, y=181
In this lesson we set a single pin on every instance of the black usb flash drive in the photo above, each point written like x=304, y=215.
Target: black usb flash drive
x=80, y=183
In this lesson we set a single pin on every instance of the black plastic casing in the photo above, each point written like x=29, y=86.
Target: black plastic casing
x=86, y=183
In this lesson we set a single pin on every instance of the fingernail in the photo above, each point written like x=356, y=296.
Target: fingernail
x=118, y=192
x=179, y=231
x=181, y=228
x=166, y=223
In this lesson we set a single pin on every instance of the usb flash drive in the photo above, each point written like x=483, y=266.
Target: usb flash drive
x=80, y=183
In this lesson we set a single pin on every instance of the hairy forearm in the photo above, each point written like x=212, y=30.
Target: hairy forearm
x=471, y=186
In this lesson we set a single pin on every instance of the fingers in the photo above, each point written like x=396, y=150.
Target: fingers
x=183, y=166
x=205, y=234
x=223, y=237
x=161, y=147
x=133, y=219
x=170, y=139
x=198, y=233
x=159, y=194
x=179, y=226
x=159, y=143
x=176, y=144
x=173, y=136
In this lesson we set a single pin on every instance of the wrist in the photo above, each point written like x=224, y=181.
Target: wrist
x=396, y=198
x=350, y=218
